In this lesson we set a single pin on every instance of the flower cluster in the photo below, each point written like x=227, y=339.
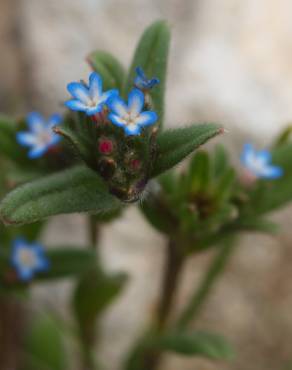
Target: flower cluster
x=28, y=259
x=130, y=116
x=258, y=163
x=40, y=136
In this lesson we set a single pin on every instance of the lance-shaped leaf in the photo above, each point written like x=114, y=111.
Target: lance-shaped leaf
x=43, y=346
x=78, y=189
x=94, y=292
x=110, y=69
x=151, y=55
x=204, y=344
x=272, y=194
x=67, y=261
x=174, y=145
x=208, y=345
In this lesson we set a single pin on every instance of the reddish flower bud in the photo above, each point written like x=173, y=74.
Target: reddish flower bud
x=135, y=164
x=105, y=146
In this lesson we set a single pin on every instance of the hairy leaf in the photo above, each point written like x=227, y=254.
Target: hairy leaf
x=68, y=261
x=196, y=344
x=43, y=347
x=75, y=190
x=174, y=145
x=110, y=69
x=151, y=54
x=94, y=292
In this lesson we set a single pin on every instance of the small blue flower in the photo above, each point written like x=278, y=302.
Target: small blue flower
x=89, y=99
x=142, y=82
x=130, y=116
x=40, y=136
x=258, y=163
x=28, y=259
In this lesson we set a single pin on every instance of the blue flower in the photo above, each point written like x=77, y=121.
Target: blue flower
x=130, y=116
x=28, y=259
x=258, y=163
x=142, y=82
x=40, y=136
x=89, y=99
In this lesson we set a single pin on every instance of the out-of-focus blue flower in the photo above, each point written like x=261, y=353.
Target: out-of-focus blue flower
x=142, y=82
x=89, y=99
x=28, y=259
x=40, y=136
x=130, y=116
x=258, y=163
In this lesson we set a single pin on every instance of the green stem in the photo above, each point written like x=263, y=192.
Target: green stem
x=173, y=267
x=199, y=297
x=89, y=336
x=93, y=232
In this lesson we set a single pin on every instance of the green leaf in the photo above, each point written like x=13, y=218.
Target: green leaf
x=110, y=69
x=256, y=224
x=220, y=161
x=79, y=143
x=225, y=185
x=44, y=347
x=94, y=293
x=75, y=190
x=204, y=344
x=174, y=145
x=199, y=176
x=152, y=54
x=270, y=195
x=68, y=261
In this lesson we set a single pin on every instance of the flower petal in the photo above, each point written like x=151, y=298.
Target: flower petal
x=26, y=138
x=79, y=92
x=90, y=111
x=272, y=172
x=95, y=85
x=135, y=102
x=25, y=273
x=106, y=96
x=248, y=155
x=132, y=130
x=118, y=106
x=35, y=121
x=76, y=105
x=264, y=156
x=38, y=151
x=140, y=73
x=146, y=118
x=116, y=120
x=54, y=120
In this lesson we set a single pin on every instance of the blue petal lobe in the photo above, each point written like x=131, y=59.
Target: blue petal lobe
x=135, y=101
x=79, y=92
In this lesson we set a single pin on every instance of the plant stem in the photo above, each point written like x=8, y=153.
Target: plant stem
x=12, y=327
x=93, y=231
x=90, y=336
x=199, y=297
x=172, y=271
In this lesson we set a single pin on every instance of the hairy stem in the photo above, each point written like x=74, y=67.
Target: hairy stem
x=89, y=336
x=199, y=297
x=93, y=232
x=172, y=270
x=12, y=327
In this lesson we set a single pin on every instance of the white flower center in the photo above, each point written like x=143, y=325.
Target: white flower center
x=27, y=258
x=44, y=137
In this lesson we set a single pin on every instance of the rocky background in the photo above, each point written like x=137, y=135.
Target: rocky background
x=231, y=62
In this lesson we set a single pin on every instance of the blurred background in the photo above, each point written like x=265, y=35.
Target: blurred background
x=230, y=63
